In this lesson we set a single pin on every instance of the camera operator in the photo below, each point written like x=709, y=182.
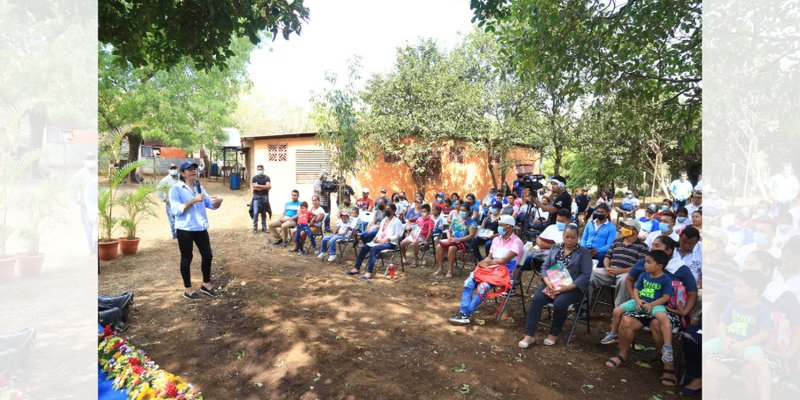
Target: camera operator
x=562, y=200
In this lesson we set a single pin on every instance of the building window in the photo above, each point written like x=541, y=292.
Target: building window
x=390, y=158
x=277, y=152
x=457, y=154
x=310, y=163
x=435, y=167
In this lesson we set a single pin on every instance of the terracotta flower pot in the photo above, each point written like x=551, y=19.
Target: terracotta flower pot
x=29, y=264
x=7, y=268
x=128, y=246
x=107, y=251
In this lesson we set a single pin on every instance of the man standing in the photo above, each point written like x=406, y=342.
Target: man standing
x=783, y=188
x=558, y=185
x=680, y=189
x=619, y=260
x=84, y=182
x=288, y=221
x=260, y=204
x=324, y=197
x=364, y=203
x=162, y=190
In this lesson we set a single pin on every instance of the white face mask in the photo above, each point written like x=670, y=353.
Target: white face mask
x=173, y=172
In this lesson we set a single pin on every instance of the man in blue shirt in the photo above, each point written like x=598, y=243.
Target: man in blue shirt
x=681, y=189
x=599, y=235
x=287, y=222
x=188, y=202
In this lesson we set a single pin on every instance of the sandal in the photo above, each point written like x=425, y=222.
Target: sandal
x=352, y=273
x=611, y=363
x=666, y=381
x=448, y=276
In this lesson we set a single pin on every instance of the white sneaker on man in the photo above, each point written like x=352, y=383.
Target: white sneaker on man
x=332, y=258
x=321, y=255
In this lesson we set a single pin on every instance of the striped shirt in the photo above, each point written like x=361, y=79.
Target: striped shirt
x=624, y=256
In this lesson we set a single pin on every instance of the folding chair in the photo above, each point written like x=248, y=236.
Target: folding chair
x=582, y=305
x=317, y=238
x=391, y=252
x=351, y=242
x=516, y=286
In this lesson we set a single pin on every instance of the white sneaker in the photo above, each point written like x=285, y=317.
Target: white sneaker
x=332, y=258
x=321, y=256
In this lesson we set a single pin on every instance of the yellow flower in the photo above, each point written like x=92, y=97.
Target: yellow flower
x=146, y=394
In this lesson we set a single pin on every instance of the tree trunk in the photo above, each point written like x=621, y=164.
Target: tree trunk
x=491, y=171
x=38, y=121
x=134, y=142
x=558, y=155
x=419, y=180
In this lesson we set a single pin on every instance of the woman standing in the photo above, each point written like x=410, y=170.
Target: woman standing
x=577, y=260
x=188, y=202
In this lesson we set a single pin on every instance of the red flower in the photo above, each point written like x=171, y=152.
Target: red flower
x=138, y=369
x=172, y=390
x=134, y=361
x=118, y=344
x=107, y=331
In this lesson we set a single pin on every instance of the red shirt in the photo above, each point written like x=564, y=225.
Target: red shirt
x=426, y=226
x=304, y=216
x=364, y=204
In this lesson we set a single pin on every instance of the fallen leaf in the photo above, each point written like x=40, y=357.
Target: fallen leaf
x=317, y=378
x=479, y=321
x=243, y=283
x=464, y=389
x=554, y=384
x=461, y=368
x=643, y=364
x=587, y=386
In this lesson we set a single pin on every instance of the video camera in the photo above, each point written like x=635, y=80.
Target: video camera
x=332, y=186
x=532, y=182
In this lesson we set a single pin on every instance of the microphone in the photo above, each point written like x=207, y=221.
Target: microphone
x=197, y=187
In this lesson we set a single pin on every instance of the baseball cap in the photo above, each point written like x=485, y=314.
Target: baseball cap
x=171, y=166
x=383, y=190
x=633, y=224
x=652, y=208
x=188, y=164
x=508, y=220
x=365, y=190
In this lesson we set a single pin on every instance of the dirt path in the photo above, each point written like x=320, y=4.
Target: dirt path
x=291, y=327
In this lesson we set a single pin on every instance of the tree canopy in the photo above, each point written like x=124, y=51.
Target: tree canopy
x=165, y=33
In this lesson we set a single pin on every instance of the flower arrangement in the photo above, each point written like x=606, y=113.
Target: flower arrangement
x=133, y=370
x=7, y=392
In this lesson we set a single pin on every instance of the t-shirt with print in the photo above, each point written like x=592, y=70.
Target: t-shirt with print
x=364, y=204
x=261, y=180
x=438, y=222
x=562, y=202
x=461, y=228
x=675, y=270
x=651, y=289
x=742, y=323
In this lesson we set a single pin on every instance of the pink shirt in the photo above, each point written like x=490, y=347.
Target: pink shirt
x=501, y=247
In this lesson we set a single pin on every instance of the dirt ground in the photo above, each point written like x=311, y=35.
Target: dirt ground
x=292, y=327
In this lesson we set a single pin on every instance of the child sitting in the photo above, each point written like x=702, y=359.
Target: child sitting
x=344, y=228
x=438, y=220
x=419, y=234
x=303, y=218
x=744, y=327
x=650, y=295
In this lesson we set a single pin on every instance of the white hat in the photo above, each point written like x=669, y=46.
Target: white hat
x=507, y=220
x=364, y=190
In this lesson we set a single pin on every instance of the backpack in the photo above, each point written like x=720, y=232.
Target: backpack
x=678, y=300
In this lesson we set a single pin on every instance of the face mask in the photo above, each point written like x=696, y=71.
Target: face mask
x=453, y=204
x=501, y=230
x=664, y=208
x=260, y=172
x=494, y=211
x=173, y=172
x=681, y=220
x=561, y=226
x=439, y=199
x=663, y=226
x=630, y=196
x=463, y=214
x=600, y=217
x=626, y=232
x=760, y=238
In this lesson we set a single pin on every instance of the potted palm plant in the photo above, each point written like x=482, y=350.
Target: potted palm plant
x=39, y=208
x=12, y=169
x=137, y=205
x=108, y=247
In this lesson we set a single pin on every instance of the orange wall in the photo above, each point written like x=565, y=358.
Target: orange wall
x=470, y=177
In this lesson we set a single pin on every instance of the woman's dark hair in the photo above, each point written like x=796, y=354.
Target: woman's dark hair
x=571, y=227
x=426, y=207
x=395, y=197
x=436, y=208
x=683, y=211
x=421, y=196
x=455, y=194
x=464, y=205
x=668, y=242
x=698, y=211
x=603, y=206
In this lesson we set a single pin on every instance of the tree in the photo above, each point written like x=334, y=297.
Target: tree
x=416, y=107
x=336, y=114
x=164, y=34
x=183, y=107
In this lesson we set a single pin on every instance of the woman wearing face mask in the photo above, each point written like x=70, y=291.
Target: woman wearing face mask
x=162, y=190
x=462, y=230
x=489, y=224
x=388, y=236
x=681, y=220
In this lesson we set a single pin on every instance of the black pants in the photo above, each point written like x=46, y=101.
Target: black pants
x=560, y=305
x=185, y=240
x=693, y=350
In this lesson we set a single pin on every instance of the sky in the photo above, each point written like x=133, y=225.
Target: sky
x=287, y=72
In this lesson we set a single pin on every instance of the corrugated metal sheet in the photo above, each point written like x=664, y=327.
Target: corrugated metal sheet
x=310, y=163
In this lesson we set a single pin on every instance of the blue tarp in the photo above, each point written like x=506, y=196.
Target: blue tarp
x=104, y=389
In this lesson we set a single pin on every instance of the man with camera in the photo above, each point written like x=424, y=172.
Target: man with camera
x=561, y=198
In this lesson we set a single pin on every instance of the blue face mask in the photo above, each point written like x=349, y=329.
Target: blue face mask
x=463, y=214
x=505, y=202
x=453, y=204
x=681, y=219
x=494, y=211
x=663, y=226
x=664, y=208
x=439, y=199
x=561, y=226
x=501, y=230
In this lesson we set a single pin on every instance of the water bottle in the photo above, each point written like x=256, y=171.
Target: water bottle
x=391, y=270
